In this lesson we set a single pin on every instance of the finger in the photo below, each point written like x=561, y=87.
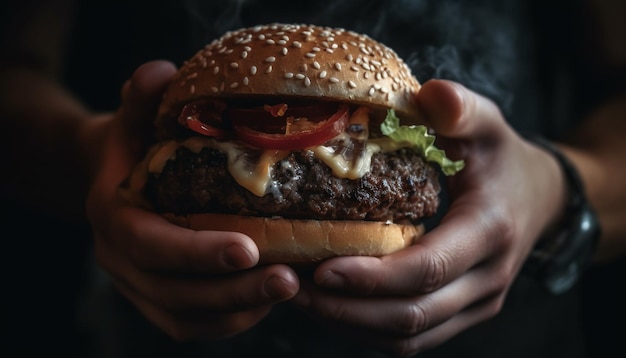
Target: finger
x=448, y=329
x=143, y=92
x=203, y=293
x=470, y=233
x=215, y=326
x=155, y=244
x=454, y=111
x=404, y=316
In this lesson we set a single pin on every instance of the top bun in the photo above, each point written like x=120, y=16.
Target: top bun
x=294, y=60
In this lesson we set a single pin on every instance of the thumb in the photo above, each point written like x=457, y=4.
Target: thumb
x=142, y=93
x=127, y=133
x=454, y=111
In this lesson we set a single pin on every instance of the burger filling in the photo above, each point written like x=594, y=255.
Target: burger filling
x=323, y=162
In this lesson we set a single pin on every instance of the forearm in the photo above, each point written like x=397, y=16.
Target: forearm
x=44, y=133
x=598, y=149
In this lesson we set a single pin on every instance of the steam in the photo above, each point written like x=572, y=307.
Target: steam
x=452, y=39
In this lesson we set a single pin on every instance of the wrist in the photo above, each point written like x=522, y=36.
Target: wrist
x=561, y=255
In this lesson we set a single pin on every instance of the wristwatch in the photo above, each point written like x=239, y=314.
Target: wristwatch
x=558, y=261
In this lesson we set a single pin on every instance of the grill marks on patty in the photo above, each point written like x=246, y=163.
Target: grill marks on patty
x=399, y=186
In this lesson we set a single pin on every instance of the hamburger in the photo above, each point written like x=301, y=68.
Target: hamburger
x=305, y=138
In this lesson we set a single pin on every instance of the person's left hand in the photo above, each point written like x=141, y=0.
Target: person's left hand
x=458, y=274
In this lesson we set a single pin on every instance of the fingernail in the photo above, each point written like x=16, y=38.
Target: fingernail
x=278, y=288
x=237, y=257
x=331, y=279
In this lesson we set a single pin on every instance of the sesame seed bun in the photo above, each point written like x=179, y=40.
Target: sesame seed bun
x=295, y=61
x=291, y=217
x=305, y=241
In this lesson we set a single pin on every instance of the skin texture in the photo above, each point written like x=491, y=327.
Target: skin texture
x=206, y=285
x=459, y=273
x=211, y=294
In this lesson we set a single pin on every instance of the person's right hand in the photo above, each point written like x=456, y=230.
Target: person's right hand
x=191, y=284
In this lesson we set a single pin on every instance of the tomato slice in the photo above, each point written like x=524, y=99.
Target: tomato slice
x=315, y=132
x=202, y=118
x=200, y=127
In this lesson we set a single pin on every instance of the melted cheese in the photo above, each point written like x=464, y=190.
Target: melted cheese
x=342, y=167
x=256, y=174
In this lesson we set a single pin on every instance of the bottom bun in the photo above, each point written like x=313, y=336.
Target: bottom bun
x=304, y=241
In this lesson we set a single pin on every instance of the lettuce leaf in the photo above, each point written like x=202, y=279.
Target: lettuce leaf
x=421, y=141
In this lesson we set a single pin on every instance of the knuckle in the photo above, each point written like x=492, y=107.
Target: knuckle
x=414, y=321
x=436, y=271
x=504, y=229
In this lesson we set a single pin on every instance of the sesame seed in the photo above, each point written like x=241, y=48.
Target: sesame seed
x=329, y=50
x=316, y=65
x=269, y=69
x=371, y=92
x=337, y=66
x=253, y=70
x=234, y=65
x=192, y=89
x=366, y=75
x=354, y=68
x=333, y=79
x=193, y=75
x=261, y=37
x=323, y=74
x=288, y=75
x=344, y=46
x=300, y=76
x=244, y=54
x=216, y=69
x=215, y=89
x=315, y=49
x=352, y=84
x=297, y=44
x=246, y=81
x=349, y=57
x=270, y=59
x=247, y=48
x=234, y=85
x=270, y=42
x=307, y=81
x=304, y=67
x=284, y=51
x=310, y=55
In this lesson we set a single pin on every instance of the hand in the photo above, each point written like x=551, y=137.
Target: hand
x=191, y=284
x=458, y=274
